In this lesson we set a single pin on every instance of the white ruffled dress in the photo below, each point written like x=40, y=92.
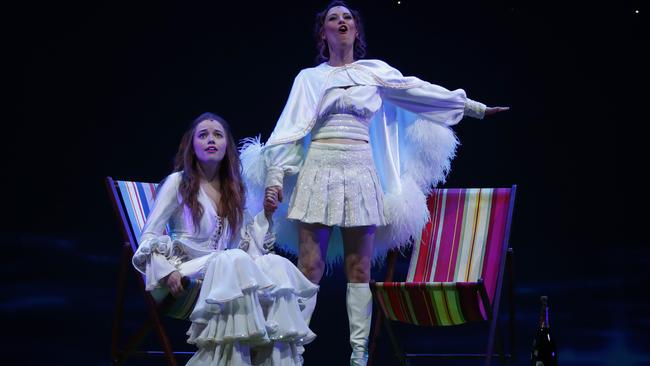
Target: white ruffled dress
x=247, y=312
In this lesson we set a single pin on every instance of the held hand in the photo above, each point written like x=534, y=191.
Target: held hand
x=272, y=198
x=173, y=281
x=492, y=110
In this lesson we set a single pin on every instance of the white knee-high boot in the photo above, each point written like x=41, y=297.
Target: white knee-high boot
x=359, y=303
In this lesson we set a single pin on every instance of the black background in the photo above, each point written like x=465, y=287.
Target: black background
x=107, y=88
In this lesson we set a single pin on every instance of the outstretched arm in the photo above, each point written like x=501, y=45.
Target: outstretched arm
x=494, y=110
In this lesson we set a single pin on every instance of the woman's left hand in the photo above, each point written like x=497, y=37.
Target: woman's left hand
x=492, y=110
x=174, y=282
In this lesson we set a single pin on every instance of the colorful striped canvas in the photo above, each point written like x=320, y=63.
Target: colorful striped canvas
x=138, y=199
x=461, y=250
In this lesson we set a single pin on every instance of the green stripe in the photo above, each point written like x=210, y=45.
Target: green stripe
x=438, y=300
x=409, y=304
x=453, y=301
x=489, y=192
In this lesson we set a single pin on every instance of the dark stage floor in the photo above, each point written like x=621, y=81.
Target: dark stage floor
x=599, y=314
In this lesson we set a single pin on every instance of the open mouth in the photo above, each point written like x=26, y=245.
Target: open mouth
x=343, y=29
x=211, y=149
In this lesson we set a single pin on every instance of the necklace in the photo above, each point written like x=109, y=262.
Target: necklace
x=216, y=234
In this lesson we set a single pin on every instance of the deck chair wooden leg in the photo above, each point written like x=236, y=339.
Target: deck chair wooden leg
x=397, y=349
x=510, y=264
x=490, y=346
x=119, y=302
x=492, y=318
x=500, y=339
x=162, y=335
x=391, y=258
x=376, y=330
x=134, y=342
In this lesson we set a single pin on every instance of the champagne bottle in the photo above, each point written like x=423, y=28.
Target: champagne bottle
x=543, y=352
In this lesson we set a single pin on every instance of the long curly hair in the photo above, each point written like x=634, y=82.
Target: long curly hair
x=321, y=44
x=231, y=205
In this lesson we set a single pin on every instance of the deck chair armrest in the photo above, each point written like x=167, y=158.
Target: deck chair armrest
x=181, y=307
x=476, y=285
x=431, y=303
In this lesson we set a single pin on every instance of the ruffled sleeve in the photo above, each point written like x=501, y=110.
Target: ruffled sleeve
x=155, y=249
x=280, y=160
x=256, y=236
x=283, y=153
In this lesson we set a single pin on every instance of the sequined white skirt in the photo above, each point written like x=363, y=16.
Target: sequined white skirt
x=338, y=186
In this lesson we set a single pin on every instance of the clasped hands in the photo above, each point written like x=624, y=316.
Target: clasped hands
x=272, y=197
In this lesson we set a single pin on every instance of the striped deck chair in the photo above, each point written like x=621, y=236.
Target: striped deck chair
x=456, y=270
x=132, y=202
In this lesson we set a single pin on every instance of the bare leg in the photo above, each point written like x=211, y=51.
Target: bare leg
x=358, y=245
x=311, y=262
x=313, y=249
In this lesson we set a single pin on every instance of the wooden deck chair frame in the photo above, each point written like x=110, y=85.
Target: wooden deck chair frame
x=506, y=267
x=120, y=351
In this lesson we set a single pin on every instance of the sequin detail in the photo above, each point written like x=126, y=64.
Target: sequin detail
x=338, y=186
x=342, y=126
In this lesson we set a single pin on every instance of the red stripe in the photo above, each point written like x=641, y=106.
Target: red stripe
x=152, y=189
x=473, y=242
x=136, y=200
x=444, y=251
x=380, y=297
x=495, y=237
x=433, y=243
x=394, y=299
x=427, y=245
x=415, y=293
x=451, y=235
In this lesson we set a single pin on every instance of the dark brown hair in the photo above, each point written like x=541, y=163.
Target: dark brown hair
x=321, y=44
x=232, y=201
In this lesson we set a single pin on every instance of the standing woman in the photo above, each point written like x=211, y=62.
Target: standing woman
x=374, y=143
x=247, y=311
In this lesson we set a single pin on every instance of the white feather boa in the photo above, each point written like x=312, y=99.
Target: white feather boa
x=253, y=171
x=426, y=154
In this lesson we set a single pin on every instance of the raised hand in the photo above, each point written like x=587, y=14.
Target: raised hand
x=492, y=110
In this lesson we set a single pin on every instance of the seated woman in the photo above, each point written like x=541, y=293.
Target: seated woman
x=247, y=311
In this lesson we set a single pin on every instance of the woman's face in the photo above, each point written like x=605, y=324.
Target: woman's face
x=209, y=141
x=339, y=29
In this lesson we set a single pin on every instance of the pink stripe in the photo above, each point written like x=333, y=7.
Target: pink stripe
x=496, y=231
x=433, y=244
x=152, y=189
x=427, y=245
x=451, y=230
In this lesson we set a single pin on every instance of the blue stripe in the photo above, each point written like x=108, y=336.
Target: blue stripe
x=144, y=202
x=124, y=192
